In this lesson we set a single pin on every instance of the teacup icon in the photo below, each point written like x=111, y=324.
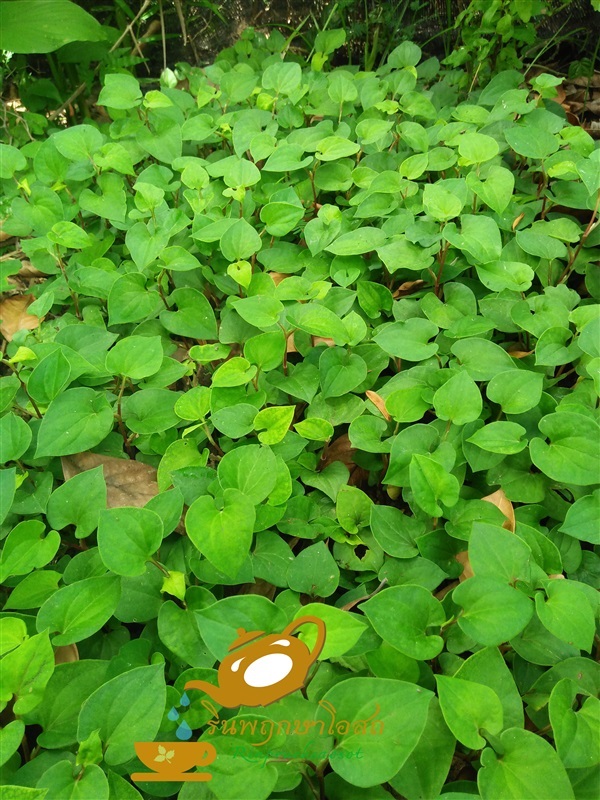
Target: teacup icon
x=262, y=669
x=170, y=760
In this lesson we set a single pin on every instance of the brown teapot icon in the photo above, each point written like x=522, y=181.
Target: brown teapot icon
x=266, y=670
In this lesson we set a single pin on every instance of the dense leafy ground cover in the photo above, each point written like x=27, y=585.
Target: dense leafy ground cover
x=308, y=342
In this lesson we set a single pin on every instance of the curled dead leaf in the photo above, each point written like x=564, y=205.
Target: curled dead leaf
x=408, y=287
x=560, y=96
x=379, y=403
x=66, y=653
x=516, y=353
x=501, y=501
x=277, y=277
x=517, y=220
x=14, y=316
x=128, y=483
x=570, y=116
x=317, y=340
x=290, y=346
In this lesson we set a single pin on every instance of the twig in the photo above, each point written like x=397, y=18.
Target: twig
x=390, y=790
x=353, y=603
x=137, y=49
x=12, y=254
x=163, y=33
x=54, y=114
x=181, y=20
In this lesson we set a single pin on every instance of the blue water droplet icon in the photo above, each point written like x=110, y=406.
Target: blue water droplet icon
x=185, y=700
x=173, y=714
x=183, y=731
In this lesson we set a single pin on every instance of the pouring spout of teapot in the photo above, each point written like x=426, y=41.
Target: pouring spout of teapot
x=214, y=692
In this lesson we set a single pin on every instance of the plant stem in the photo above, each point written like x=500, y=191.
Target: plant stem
x=63, y=269
x=311, y=176
x=390, y=790
x=353, y=603
x=24, y=387
x=161, y=291
x=25, y=748
x=159, y=566
x=591, y=225
x=210, y=438
x=120, y=423
x=441, y=261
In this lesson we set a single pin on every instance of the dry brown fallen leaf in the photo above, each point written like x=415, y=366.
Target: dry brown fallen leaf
x=501, y=501
x=441, y=593
x=180, y=354
x=316, y=341
x=27, y=270
x=277, y=277
x=570, y=116
x=463, y=558
x=515, y=353
x=338, y=450
x=128, y=483
x=358, y=477
x=591, y=106
x=379, y=403
x=27, y=276
x=65, y=653
x=3, y=235
x=584, y=80
x=14, y=316
x=260, y=586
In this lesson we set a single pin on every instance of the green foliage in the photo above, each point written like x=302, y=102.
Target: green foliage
x=331, y=337
x=56, y=24
x=498, y=34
